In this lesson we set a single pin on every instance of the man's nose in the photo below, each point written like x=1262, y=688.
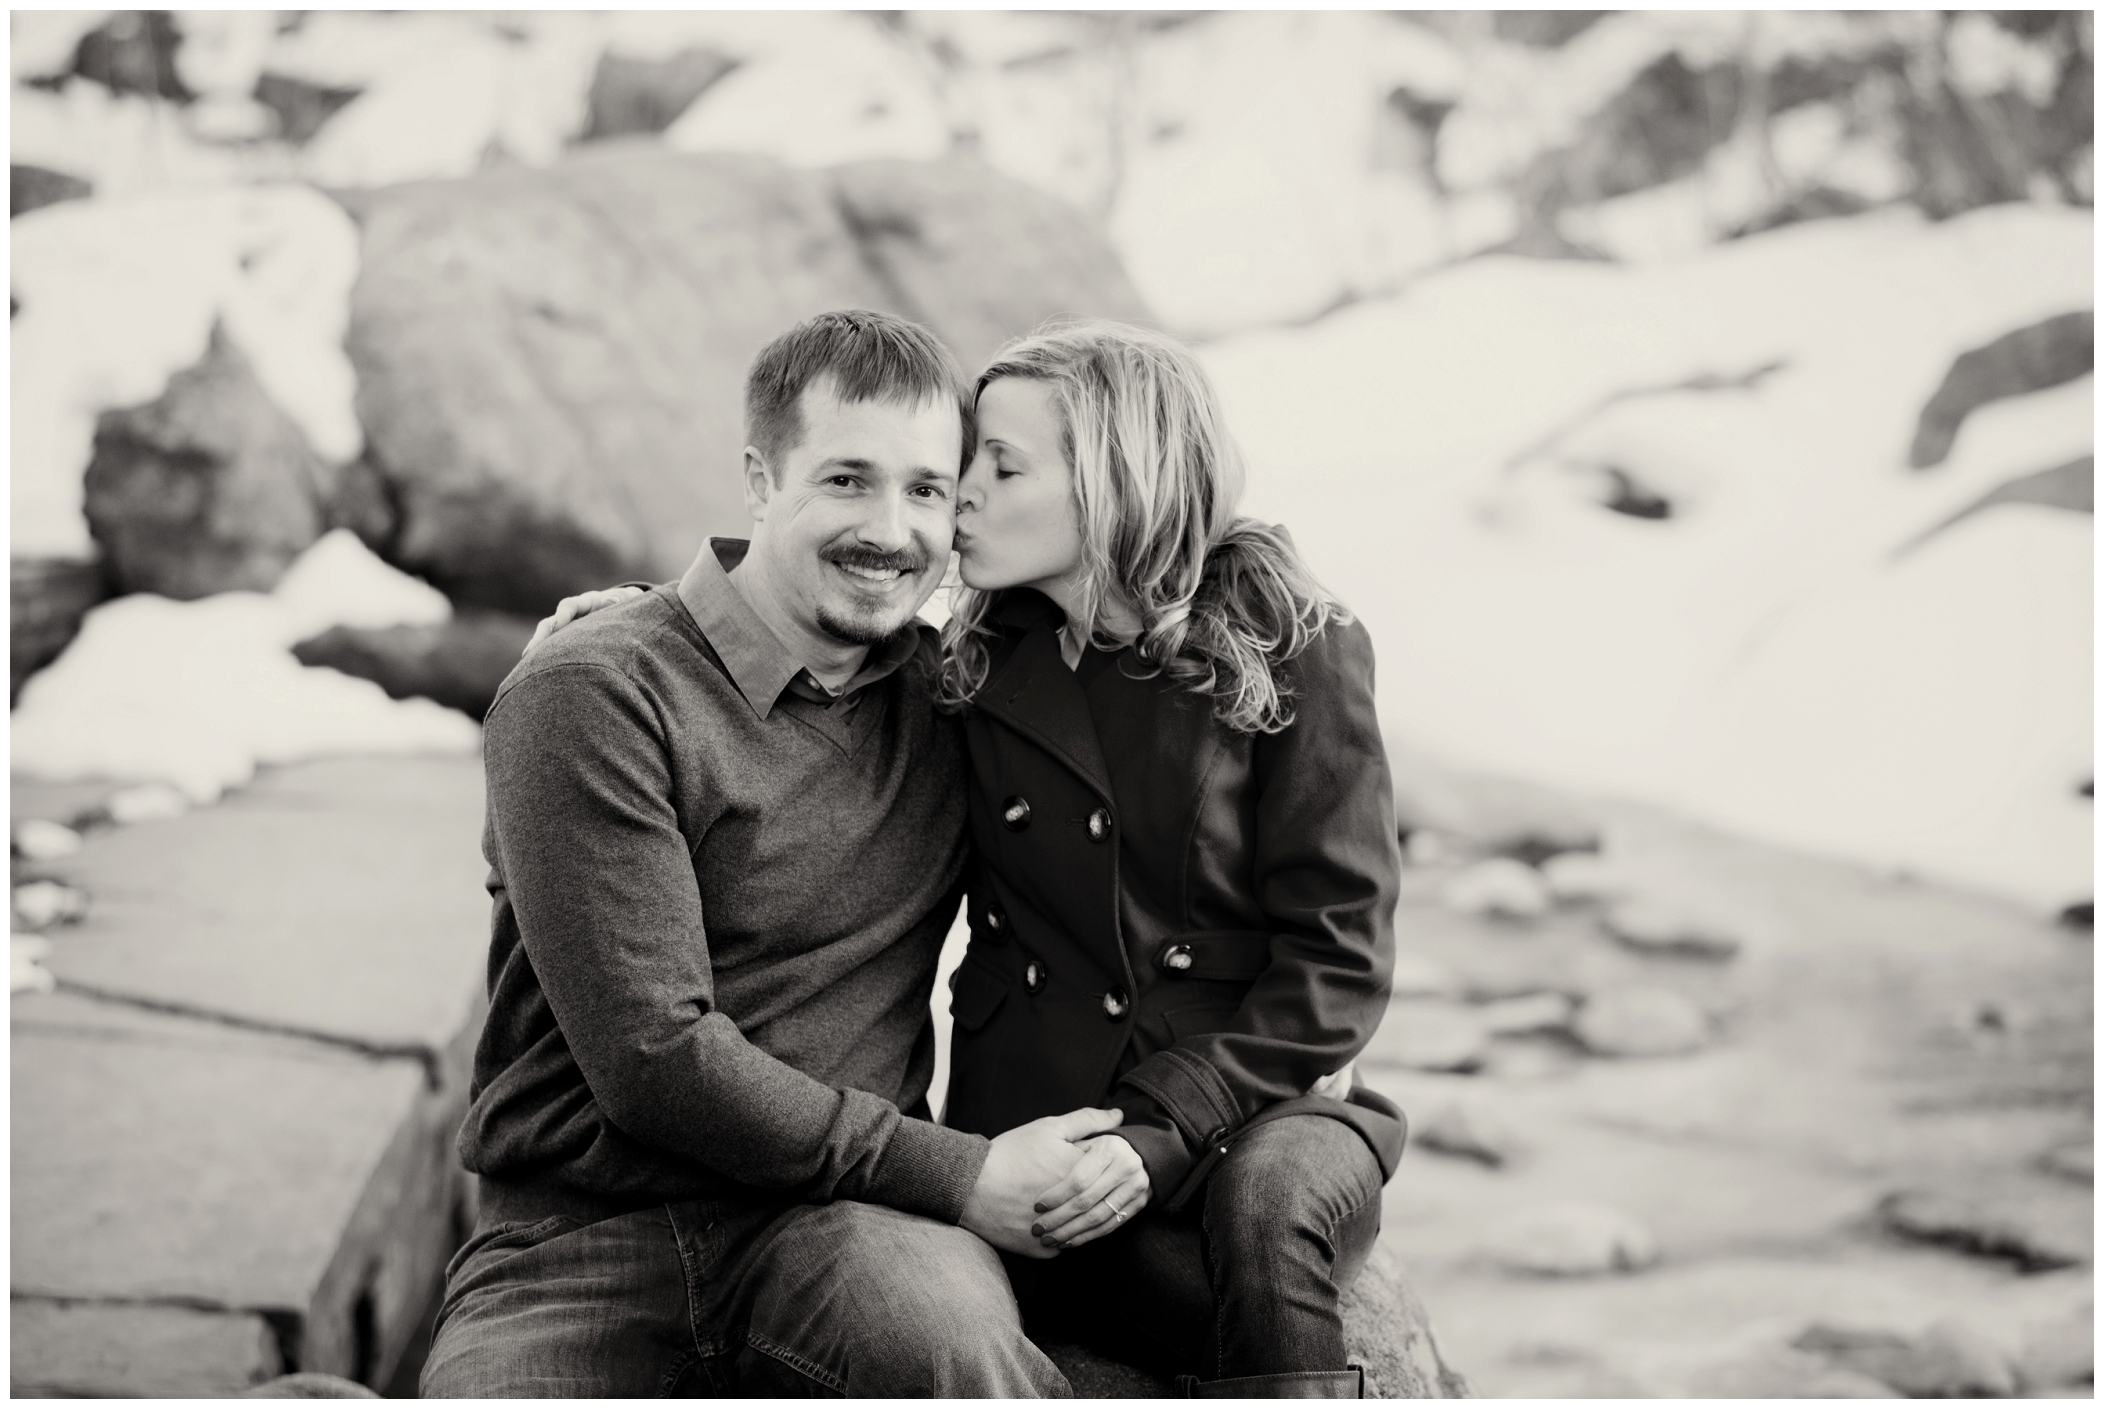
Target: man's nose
x=885, y=525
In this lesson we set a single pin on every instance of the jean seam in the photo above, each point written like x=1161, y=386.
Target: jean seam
x=808, y=1368
x=679, y=1366
x=704, y=1345
x=1212, y=1274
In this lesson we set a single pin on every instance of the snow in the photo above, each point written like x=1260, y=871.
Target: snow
x=118, y=295
x=844, y=92
x=198, y=694
x=1761, y=659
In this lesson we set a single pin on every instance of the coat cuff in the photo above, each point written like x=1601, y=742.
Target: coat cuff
x=1155, y=1138
x=1190, y=1092
x=928, y=1169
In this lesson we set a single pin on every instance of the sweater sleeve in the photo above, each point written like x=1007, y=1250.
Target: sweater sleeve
x=1326, y=874
x=602, y=881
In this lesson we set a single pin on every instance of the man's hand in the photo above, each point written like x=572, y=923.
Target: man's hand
x=571, y=608
x=1105, y=1188
x=1024, y=1163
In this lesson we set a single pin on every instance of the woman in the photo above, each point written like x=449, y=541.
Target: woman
x=1186, y=872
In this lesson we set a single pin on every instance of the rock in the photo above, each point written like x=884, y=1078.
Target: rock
x=1780, y=1372
x=2058, y=1352
x=1948, y=1360
x=133, y=51
x=64, y=1349
x=1654, y=927
x=1466, y=1129
x=1641, y=1022
x=1535, y=1012
x=928, y=227
x=47, y=599
x=1417, y=976
x=25, y=964
x=1429, y=1036
x=1572, y=1240
x=1386, y=1330
x=1543, y=29
x=33, y=187
x=647, y=95
x=210, y=488
x=2071, y=486
x=532, y=451
x=38, y=839
x=2082, y=915
x=308, y=1385
x=1583, y=875
x=148, y=802
x=460, y=663
x=42, y=905
x=301, y=107
x=2024, y=1230
x=1423, y=847
x=2045, y=354
x=1499, y=888
x=2075, y=1161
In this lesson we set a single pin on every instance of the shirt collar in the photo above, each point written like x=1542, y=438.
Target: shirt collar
x=759, y=664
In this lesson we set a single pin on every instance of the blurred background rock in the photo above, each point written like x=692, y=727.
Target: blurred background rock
x=1696, y=406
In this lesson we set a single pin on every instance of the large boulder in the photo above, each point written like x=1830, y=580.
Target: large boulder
x=1386, y=1330
x=209, y=488
x=551, y=363
x=459, y=662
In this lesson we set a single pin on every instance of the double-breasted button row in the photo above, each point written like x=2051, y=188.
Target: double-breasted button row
x=1034, y=976
x=995, y=920
x=1116, y=1004
x=1099, y=824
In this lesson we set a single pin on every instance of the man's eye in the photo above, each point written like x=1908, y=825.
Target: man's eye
x=842, y=481
x=929, y=491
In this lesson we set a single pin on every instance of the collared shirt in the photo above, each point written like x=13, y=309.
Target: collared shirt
x=760, y=665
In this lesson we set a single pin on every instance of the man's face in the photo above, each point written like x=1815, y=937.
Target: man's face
x=856, y=518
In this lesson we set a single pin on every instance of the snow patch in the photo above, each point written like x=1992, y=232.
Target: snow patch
x=199, y=694
x=1759, y=658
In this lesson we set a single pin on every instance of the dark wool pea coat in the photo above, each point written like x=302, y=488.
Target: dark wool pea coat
x=1170, y=917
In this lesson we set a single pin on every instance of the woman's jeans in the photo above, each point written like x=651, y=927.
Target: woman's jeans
x=1246, y=1280
x=714, y=1299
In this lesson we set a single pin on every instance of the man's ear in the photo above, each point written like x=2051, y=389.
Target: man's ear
x=759, y=484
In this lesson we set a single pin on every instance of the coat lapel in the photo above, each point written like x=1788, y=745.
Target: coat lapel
x=1033, y=692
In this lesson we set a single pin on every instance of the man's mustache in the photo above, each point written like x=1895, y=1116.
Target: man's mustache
x=905, y=560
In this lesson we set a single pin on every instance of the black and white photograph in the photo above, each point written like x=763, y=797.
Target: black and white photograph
x=1051, y=703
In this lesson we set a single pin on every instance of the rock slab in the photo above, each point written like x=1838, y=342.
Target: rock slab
x=1386, y=1330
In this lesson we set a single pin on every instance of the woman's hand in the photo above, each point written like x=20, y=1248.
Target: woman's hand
x=1337, y=1085
x=1104, y=1191
x=571, y=608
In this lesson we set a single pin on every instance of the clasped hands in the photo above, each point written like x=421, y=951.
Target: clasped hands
x=1057, y=1183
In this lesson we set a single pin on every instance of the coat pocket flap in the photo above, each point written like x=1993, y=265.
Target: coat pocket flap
x=978, y=992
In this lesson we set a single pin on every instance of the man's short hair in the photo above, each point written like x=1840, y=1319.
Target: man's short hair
x=870, y=356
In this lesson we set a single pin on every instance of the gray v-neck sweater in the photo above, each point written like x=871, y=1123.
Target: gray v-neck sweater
x=717, y=917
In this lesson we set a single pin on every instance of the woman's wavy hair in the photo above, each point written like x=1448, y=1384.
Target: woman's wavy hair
x=1221, y=601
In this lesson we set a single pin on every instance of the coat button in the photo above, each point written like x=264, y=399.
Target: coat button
x=1115, y=1004
x=1033, y=976
x=1177, y=957
x=996, y=921
x=1015, y=813
x=1099, y=824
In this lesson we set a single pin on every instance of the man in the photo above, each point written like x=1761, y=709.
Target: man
x=726, y=837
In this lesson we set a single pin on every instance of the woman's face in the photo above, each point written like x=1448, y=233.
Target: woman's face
x=1017, y=522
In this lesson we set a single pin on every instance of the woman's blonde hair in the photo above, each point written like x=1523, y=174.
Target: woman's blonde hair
x=1221, y=601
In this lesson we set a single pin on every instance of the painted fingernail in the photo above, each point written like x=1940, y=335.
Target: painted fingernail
x=1049, y=1242
x=1037, y=1230
x=1040, y=1208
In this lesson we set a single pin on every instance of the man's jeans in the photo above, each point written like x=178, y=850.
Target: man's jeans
x=1247, y=1280
x=714, y=1299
